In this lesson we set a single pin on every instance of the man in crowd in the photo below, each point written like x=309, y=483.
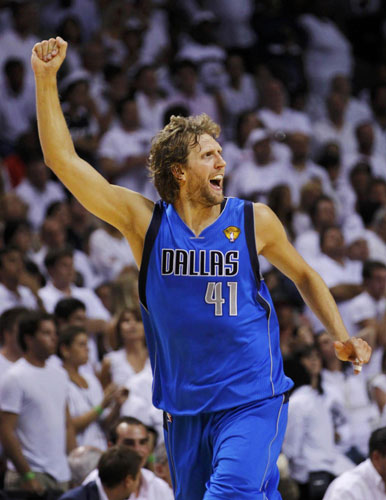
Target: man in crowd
x=118, y=477
x=131, y=432
x=12, y=293
x=35, y=425
x=368, y=479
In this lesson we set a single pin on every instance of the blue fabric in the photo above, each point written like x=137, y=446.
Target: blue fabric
x=88, y=491
x=229, y=454
x=211, y=328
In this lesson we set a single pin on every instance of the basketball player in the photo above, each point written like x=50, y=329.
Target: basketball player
x=211, y=328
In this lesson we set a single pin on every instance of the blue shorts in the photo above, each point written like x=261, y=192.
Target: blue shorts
x=230, y=454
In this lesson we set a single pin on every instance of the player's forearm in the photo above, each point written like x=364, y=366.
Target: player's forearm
x=54, y=135
x=318, y=297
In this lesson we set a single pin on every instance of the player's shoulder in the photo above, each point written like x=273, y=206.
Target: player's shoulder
x=265, y=218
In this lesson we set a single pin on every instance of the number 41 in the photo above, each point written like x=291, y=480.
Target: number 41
x=214, y=296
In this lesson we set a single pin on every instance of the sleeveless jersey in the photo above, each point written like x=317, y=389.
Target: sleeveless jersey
x=210, y=325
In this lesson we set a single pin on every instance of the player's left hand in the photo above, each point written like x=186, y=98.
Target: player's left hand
x=355, y=350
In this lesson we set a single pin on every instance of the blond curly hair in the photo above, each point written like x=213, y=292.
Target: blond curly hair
x=171, y=147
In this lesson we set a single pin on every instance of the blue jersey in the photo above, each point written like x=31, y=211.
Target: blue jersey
x=211, y=328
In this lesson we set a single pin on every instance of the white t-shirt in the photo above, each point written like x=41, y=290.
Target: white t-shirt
x=39, y=397
x=50, y=296
x=108, y=254
x=335, y=274
x=118, y=145
x=362, y=482
x=377, y=247
x=351, y=391
x=9, y=299
x=255, y=181
x=361, y=308
x=287, y=121
x=309, y=441
x=150, y=112
x=297, y=178
x=152, y=487
x=120, y=369
x=81, y=401
x=39, y=201
x=5, y=365
x=325, y=131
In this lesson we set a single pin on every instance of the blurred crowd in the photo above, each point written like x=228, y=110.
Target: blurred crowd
x=299, y=89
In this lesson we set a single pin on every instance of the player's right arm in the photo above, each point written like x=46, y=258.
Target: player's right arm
x=126, y=210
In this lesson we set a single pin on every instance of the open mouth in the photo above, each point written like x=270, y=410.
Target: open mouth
x=216, y=183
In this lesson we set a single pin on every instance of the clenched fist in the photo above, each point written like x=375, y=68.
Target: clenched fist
x=48, y=56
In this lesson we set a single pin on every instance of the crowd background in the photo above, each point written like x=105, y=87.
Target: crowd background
x=299, y=89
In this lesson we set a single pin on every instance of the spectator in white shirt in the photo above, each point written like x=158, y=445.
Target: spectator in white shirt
x=72, y=312
x=322, y=214
x=301, y=169
x=16, y=104
x=38, y=191
x=12, y=293
x=376, y=236
x=254, y=179
x=341, y=275
x=365, y=152
x=188, y=93
x=328, y=51
x=275, y=115
x=87, y=400
x=201, y=48
x=238, y=95
x=109, y=252
x=36, y=430
x=357, y=111
x=235, y=151
x=366, y=312
x=378, y=105
x=356, y=413
x=16, y=41
x=150, y=104
x=334, y=127
x=132, y=356
x=60, y=267
x=309, y=443
x=368, y=479
x=124, y=149
x=53, y=237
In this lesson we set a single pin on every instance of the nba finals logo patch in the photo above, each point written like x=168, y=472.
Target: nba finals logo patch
x=232, y=233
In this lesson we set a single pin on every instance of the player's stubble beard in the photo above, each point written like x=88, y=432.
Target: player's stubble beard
x=204, y=195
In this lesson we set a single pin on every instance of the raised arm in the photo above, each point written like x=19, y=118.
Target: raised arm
x=126, y=210
x=273, y=244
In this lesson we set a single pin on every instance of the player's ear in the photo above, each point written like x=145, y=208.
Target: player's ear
x=177, y=171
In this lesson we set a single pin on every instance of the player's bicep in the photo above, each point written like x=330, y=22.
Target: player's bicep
x=120, y=207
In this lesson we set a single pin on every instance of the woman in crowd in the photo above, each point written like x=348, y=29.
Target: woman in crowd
x=131, y=357
x=92, y=409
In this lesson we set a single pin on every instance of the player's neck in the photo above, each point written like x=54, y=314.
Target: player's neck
x=196, y=215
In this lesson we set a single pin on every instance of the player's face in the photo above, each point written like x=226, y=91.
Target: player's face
x=204, y=173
